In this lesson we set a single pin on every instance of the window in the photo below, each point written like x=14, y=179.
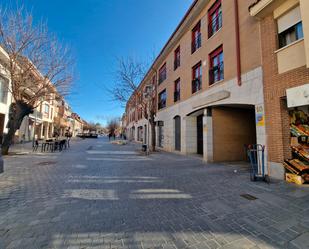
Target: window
x=216, y=66
x=290, y=28
x=46, y=108
x=162, y=99
x=177, y=58
x=214, y=18
x=4, y=85
x=197, y=77
x=290, y=35
x=162, y=73
x=196, y=37
x=177, y=90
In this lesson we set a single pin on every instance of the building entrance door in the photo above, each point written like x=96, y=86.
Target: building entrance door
x=199, y=123
x=161, y=137
x=177, y=133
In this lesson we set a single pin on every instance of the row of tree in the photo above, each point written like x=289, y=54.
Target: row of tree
x=38, y=66
x=129, y=91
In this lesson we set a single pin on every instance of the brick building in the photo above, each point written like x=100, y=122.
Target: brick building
x=284, y=31
x=209, y=84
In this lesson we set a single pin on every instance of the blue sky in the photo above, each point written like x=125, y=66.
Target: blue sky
x=99, y=31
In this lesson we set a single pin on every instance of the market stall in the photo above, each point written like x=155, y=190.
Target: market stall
x=297, y=168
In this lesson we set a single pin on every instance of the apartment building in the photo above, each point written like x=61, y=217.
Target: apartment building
x=39, y=124
x=77, y=124
x=5, y=95
x=42, y=122
x=285, y=55
x=209, y=84
x=136, y=126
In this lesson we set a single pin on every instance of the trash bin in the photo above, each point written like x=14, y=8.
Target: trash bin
x=144, y=147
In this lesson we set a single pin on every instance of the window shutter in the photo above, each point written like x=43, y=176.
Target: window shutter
x=289, y=19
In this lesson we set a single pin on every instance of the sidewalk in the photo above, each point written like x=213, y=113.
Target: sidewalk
x=21, y=148
x=26, y=147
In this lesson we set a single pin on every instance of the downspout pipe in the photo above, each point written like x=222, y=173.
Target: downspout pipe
x=238, y=59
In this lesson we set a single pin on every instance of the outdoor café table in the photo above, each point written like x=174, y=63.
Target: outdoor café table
x=48, y=145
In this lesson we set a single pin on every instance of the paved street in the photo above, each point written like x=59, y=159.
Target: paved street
x=98, y=195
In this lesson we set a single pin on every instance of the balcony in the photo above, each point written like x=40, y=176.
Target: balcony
x=216, y=73
x=196, y=84
x=262, y=7
x=36, y=114
x=161, y=104
x=196, y=43
x=214, y=25
x=162, y=77
x=176, y=96
x=176, y=63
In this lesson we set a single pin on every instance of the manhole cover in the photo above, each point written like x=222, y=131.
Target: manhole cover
x=249, y=197
x=46, y=163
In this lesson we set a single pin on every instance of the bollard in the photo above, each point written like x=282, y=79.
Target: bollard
x=1, y=162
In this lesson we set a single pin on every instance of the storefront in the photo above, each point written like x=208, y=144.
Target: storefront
x=297, y=167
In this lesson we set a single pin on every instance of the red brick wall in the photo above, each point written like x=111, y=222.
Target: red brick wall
x=275, y=85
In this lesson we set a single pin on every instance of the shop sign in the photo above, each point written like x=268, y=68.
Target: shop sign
x=298, y=96
x=259, y=116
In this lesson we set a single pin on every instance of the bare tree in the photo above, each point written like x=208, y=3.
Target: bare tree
x=40, y=69
x=113, y=125
x=128, y=91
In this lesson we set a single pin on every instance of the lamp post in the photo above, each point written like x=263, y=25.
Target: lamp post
x=35, y=117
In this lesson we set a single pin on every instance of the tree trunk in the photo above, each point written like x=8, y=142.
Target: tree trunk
x=153, y=133
x=17, y=113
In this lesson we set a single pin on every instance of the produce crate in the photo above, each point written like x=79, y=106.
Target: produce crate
x=293, y=178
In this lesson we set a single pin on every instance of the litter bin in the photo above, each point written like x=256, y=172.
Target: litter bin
x=144, y=147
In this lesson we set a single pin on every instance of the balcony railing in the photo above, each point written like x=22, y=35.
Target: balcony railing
x=214, y=25
x=196, y=43
x=216, y=73
x=162, y=76
x=196, y=84
x=36, y=114
x=161, y=104
x=176, y=63
x=176, y=96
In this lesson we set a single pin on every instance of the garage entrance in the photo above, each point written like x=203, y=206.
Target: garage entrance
x=233, y=127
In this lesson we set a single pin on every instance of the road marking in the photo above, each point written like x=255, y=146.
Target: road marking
x=119, y=152
x=118, y=159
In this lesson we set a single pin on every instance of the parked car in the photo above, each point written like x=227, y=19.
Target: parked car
x=87, y=135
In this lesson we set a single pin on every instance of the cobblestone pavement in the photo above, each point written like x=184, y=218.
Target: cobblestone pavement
x=98, y=195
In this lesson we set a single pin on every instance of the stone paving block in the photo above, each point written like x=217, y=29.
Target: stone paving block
x=35, y=210
x=212, y=244
x=239, y=244
x=301, y=241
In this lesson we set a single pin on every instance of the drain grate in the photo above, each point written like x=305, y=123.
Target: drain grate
x=46, y=163
x=249, y=197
